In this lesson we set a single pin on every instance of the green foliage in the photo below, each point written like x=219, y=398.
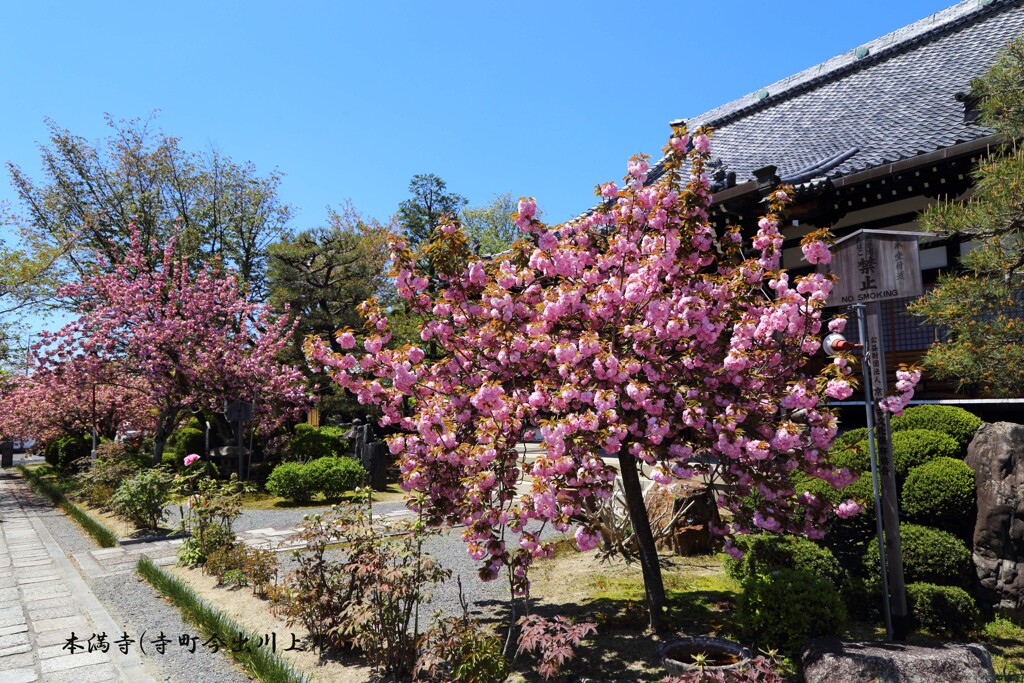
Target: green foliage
x=61, y=452
x=950, y=420
x=941, y=493
x=334, y=476
x=929, y=555
x=943, y=610
x=291, y=481
x=187, y=440
x=142, y=498
x=983, y=348
x=849, y=438
x=783, y=609
x=765, y=553
x=366, y=597
x=460, y=649
x=429, y=203
x=263, y=663
x=91, y=192
x=317, y=443
x=322, y=275
x=913, y=447
x=854, y=457
x=102, y=478
x=208, y=508
x=492, y=228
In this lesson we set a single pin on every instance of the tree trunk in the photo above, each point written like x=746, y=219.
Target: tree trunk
x=164, y=425
x=653, y=585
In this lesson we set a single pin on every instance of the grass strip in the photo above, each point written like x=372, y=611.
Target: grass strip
x=104, y=536
x=262, y=663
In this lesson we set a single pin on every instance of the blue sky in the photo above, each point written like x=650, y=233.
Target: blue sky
x=350, y=100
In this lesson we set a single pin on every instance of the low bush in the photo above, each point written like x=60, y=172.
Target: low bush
x=848, y=538
x=765, y=553
x=855, y=457
x=950, y=420
x=460, y=649
x=929, y=555
x=943, y=610
x=849, y=438
x=142, y=498
x=785, y=608
x=100, y=480
x=187, y=440
x=334, y=476
x=914, y=447
x=291, y=481
x=61, y=452
x=941, y=493
x=316, y=443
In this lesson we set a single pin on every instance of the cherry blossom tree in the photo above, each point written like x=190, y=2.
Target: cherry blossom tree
x=191, y=339
x=638, y=340
x=70, y=398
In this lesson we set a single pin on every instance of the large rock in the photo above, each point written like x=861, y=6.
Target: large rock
x=997, y=457
x=834, y=661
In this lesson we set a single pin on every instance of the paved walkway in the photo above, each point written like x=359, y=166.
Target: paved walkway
x=44, y=600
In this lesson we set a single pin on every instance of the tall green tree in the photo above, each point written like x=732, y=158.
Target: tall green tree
x=982, y=307
x=322, y=275
x=430, y=202
x=491, y=228
x=90, y=192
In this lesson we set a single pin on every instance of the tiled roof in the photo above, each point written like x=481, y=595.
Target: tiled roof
x=894, y=101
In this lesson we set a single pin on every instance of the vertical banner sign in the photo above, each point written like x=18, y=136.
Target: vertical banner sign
x=872, y=266
x=886, y=474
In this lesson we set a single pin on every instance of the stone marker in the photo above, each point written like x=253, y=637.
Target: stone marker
x=835, y=661
x=997, y=457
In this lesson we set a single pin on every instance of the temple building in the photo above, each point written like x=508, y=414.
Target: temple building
x=869, y=139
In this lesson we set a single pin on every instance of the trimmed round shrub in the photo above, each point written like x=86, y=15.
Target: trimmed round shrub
x=913, y=447
x=291, y=481
x=313, y=444
x=334, y=476
x=848, y=538
x=950, y=420
x=142, y=498
x=856, y=457
x=61, y=452
x=787, y=607
x=304, y=428
x=943, y=610
x=765, y=553
x=187, y=440
x=849, y=438
x=941, y=492
x=929, y=555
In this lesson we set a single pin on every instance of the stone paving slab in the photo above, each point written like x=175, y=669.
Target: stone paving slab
x=44, y=599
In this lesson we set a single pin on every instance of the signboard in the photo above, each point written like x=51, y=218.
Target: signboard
x=237, y=411
x=875, y=265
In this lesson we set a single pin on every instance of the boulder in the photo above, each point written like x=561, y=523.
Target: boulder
x=997, y=457
x=835, y=661
x=689, y=533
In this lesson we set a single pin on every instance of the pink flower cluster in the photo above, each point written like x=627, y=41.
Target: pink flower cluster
x=906, y=382
x=634, y=331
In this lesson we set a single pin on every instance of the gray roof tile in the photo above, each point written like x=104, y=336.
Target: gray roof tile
x=896, y=103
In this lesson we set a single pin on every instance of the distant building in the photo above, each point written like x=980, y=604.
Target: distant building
x=869, y=139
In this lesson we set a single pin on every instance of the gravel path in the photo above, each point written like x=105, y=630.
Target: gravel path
x=133, y=603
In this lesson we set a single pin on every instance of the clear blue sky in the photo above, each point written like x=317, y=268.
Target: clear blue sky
x=351, y=99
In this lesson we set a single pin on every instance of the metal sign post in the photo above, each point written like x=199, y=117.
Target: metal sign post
x=874, y=266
